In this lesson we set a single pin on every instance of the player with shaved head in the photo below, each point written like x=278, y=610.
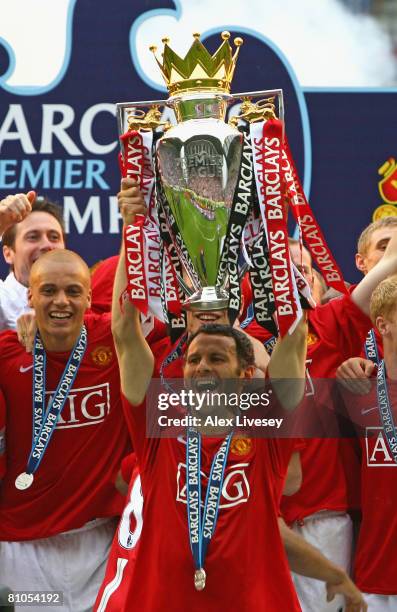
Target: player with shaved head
x=65, y=440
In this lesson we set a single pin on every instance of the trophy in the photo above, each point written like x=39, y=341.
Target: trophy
x=198, y=161
x=218, y=194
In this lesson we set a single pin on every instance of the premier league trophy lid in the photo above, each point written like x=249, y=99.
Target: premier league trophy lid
x=198, y=161
x=199, y=71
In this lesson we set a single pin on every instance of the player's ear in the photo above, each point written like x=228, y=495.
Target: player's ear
x=9, y=255
x=382, y=325
x=360, y=263
x=249, y=371
x=30, y=297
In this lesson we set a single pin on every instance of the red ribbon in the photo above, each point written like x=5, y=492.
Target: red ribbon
x=133, y=166
x=276, y=223
x=312, y=234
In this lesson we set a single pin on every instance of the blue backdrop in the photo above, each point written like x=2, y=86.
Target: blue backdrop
x=339, y=138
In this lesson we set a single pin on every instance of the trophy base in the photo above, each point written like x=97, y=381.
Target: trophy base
x=207, y=298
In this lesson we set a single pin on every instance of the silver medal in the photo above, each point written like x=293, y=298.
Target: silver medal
x=199, y=579
x=23, y=481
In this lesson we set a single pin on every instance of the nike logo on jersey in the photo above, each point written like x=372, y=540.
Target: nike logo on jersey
x=366, y=410
x=23, y=369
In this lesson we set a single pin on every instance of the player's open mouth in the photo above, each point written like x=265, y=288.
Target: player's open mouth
x=60, y=316
x=205, y=384
x=207, y=317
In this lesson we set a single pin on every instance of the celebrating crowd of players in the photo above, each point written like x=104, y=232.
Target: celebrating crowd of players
x=73, y=421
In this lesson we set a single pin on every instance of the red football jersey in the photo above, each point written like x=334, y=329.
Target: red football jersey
x=2, y=436
x=102, y=280
x=174, y=369
x=246, y=535
x=337, y=331
x=127, y=467
x=374, y=569
x=113, y=594
x=75, y=480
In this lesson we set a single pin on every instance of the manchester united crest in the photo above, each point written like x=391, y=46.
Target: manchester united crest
x=240, y=446
x=311, y=338
x=388, y=190
x=102, y=355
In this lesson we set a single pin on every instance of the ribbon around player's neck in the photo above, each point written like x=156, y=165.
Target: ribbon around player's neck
x=385, y=410
x=44, y=422
x=202, y=524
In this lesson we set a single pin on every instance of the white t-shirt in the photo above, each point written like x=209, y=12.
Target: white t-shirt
x=13, y=302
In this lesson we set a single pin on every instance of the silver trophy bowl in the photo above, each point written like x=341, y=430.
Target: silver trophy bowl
x=199, y=158
x=199, y=161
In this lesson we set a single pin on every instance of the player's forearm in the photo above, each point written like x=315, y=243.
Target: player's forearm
x=125, y=317
x=387, y=266
x=305, y=560
x=287, y=367
x=134, y=355
x=289, y=354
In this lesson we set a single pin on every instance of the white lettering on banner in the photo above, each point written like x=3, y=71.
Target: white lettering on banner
x=50, y=128
x=84, y=406
x=210, y=514
x=235, y=488
x=273, y=183
x=52, y=174
x=170, y=291
x=133, y=255
x=234, y=245
x=194, y=516
x=147, y=176
x=92, y=210
x=134, y=161
x=318, y=248
x=377, y=449
x=267, y=151
x=55, y=121
x=153, y=261
x=289, y=178
x=39, y=373
x=15, y=116
x=280, y=271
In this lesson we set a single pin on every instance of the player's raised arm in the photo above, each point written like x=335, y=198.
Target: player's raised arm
x=134, y=355
x=387, y=266
x=287, y=366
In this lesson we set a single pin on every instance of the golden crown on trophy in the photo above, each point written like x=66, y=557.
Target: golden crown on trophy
x=199, y=70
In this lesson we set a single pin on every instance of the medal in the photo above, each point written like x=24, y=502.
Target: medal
x=23, y=481
x=199, y=579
